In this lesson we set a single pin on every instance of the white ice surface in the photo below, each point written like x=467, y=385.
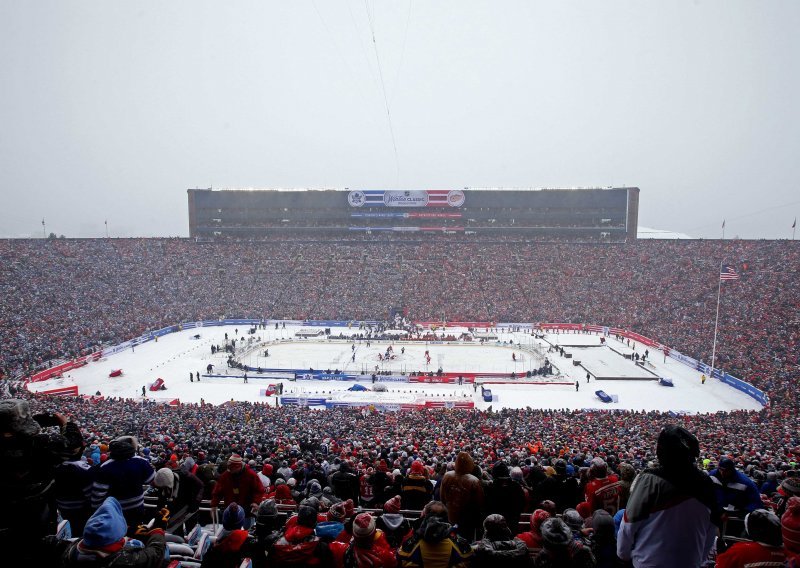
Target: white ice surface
x=175, y=355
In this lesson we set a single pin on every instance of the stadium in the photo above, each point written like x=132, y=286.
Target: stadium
x=476, y=321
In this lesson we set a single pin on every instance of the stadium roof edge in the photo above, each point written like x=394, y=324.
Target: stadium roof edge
x=576, y=188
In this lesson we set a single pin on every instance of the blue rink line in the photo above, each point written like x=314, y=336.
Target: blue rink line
x=272, y=377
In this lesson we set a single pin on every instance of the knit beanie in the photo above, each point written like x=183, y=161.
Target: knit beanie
x=417, y=468
x=337, y=512
x=763, y=526
x=233, y=517
x=15, y=417
x=790, y=486
x=573, y=519
x=538, y=517
x=790, y=526
x=363, y=525
x=555, y=534
x=164, y=478
x=307, y=516
x=392, y=505
x=106, y=526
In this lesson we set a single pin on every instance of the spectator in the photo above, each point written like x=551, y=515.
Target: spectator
x=29, y=460
x=104, y=542
x=394, y=525
x=505, y=496
x=434, y=543
x=499, y=547
x=299, y=546
x=533, y=537
x=671, y=513
x=560, y=550
x=242, y=483
x=416, y=489
x=369, y=546
x=736, y=493
x=764, y=528
x=123, y=477
x=233, y=544
x=462, y=494
x=790, y=529
x=180, y=492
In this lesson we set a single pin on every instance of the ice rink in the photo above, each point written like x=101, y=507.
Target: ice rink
x=175, y=355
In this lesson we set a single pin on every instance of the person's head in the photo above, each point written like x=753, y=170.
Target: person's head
x=392, y=505
x=363, y=528
x=790, y=526
x=267, y=518
x=556, y=535
x=496, y=528
x=726, y=468
x=235, y=463
x=435, y=509
x=16, y=419
x=538, y=517
x=763, y=526
x=677, y=448
x=106, y=527
x=233, y=517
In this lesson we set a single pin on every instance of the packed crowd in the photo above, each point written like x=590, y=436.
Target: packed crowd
x=64, y=298
x=475, y=482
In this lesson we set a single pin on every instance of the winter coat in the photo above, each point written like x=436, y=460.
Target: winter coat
x=507, y=553
x=375, y=553
x=122, y=476
x=416, y=490
x=396, y=528
x=243, y=488
x=462, y=493
x=506, y=497
x=740, y=492
x=434, y=545
x=229, y=550
x=299, y=547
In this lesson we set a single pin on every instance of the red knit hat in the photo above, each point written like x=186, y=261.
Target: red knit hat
x=790, y=526
x=538, y=517
x=584, y=508
x=392, y=505
x=417, y=468
x=363, y=526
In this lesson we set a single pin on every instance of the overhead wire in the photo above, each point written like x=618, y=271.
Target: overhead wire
x=383, y=90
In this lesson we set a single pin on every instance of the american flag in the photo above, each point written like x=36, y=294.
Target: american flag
x=728, y=273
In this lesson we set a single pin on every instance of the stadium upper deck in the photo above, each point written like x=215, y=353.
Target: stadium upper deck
x=595, y=213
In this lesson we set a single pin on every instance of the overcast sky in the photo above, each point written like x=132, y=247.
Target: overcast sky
x=111, y=110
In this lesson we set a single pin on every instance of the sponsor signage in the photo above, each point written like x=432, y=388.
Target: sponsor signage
x=406, y=198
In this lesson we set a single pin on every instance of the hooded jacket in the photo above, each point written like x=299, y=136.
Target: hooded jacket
x=462, y=492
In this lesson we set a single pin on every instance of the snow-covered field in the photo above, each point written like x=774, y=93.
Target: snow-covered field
x=176, y=355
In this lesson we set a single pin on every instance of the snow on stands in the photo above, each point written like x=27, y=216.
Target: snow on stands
x=175, y=355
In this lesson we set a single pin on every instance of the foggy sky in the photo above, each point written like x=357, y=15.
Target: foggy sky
x=111, y=110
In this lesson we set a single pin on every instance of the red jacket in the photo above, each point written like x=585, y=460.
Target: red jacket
x=746, y=553
x=244, y=488
x=378, y=554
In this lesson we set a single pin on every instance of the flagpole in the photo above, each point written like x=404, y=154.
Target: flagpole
x=716, y=320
